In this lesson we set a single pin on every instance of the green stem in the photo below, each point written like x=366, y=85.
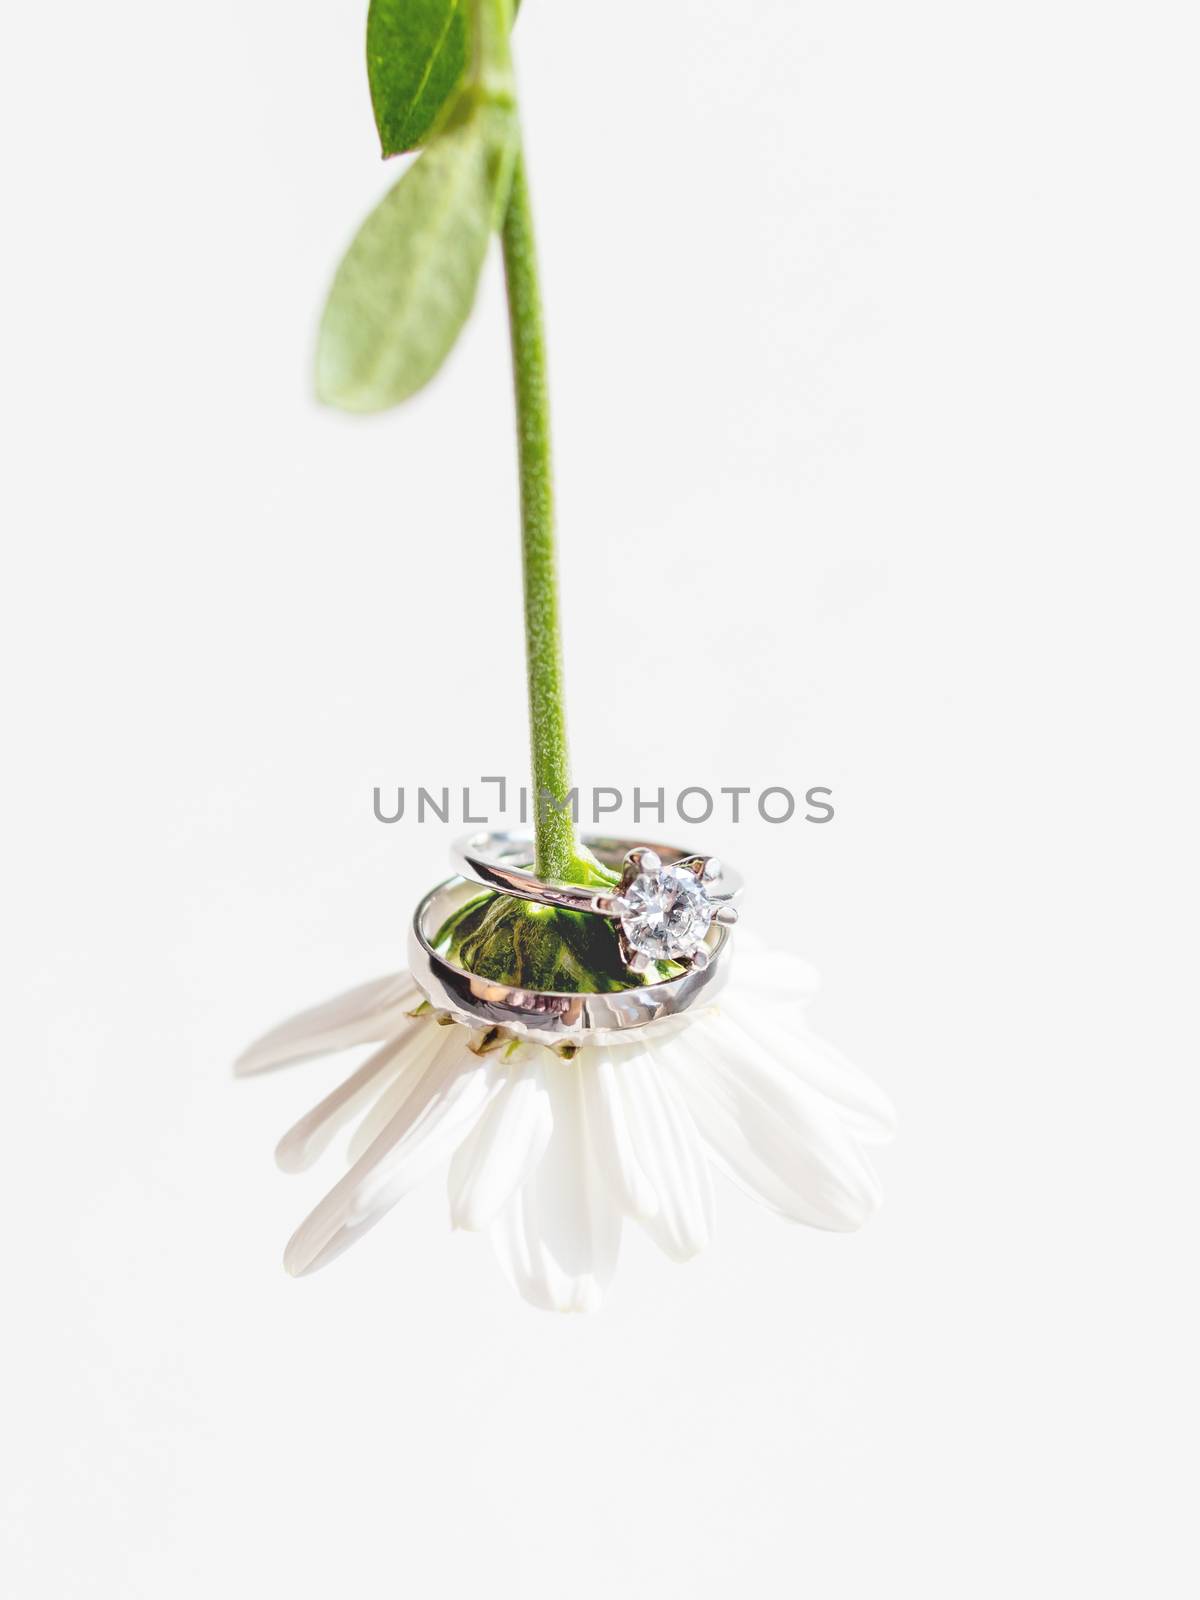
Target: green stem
x=556, y=854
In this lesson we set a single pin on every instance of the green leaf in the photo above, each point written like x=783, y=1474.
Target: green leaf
x=407, y=283
x=416, y=53
x=416, y=59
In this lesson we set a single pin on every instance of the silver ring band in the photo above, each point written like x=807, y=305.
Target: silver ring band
x=551, y=1018
x=498, y=861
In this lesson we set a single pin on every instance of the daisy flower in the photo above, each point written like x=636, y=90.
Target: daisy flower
x=550, y=1150
x=550, y=1147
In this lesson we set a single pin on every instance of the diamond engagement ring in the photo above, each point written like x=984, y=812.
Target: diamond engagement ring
x=664, y=905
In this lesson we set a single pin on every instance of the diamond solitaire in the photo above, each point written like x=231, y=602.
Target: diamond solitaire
x=664, y=912
x=667, y=913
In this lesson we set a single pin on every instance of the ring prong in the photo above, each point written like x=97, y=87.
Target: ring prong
x=700, y=957
x=609, y=905
x=727, y=916
x=712, y=869
x=642, y=858
x=639, y=962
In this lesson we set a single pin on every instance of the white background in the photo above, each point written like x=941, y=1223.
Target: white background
x=874, y=343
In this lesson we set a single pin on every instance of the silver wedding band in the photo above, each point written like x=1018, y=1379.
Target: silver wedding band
x=568, y=1019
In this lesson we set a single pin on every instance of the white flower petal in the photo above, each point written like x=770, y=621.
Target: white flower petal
x=309, y=1138
x=372, y=1011
x=435, y=1118
x=755, y=1115
x=668, y=1150
x=602, y=1070
x=759, y=1162
x=504, y=1146
x=441, y=1105
x=866, y=1110
x=558, y=1238
x=428, y=1041
x=732, y=1150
